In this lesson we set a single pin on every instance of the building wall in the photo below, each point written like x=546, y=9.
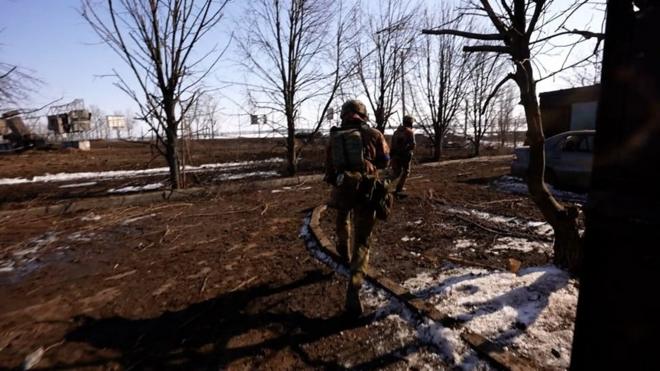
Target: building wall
x=583, y=115
x=569, y=109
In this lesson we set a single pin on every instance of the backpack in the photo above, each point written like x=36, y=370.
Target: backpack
x=347, y=149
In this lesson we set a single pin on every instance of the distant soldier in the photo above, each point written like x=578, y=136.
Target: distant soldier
x=355, y=153
x=403, y=144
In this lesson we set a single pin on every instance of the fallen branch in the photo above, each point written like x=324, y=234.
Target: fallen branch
x=201, y=289
x=243, y=284
x=498, y=231
x=226, y=212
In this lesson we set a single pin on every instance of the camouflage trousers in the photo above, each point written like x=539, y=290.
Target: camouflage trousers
x=401, y=170
x=363, y=221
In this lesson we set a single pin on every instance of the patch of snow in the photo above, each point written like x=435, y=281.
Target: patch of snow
x=516, y=185
x=410, y=239
x=540, y=228
x=74, y=185
x=521, y=244
x=464, y=243
x=263, y=174
x=36, y=244
x=28, y=253
x=7, y=266
x=496, y=144
x=91, y=217
x=374, y=297
x=312, y=247
x=482, y=215
x=531, y=312
x=147, y=187
x=80, y=236
x=113, y=174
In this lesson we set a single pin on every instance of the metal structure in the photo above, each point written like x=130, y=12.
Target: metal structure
x=15, y=135
x=69, y=118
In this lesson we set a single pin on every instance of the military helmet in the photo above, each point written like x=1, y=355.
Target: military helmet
x=355, y=106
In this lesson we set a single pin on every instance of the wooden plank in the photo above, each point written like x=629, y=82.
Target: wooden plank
x=496, y=354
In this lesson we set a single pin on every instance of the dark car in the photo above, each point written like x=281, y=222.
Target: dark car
x=568, y=159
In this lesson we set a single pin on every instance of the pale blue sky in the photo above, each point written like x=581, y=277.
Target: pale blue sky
x=50, y=38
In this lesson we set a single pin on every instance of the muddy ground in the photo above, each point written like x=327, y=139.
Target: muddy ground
x=225, y=281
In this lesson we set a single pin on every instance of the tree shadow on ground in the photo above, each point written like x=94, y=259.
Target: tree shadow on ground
x=213, y=333
x=529, y=301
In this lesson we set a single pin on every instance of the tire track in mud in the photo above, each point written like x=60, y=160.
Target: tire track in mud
x=432, y=327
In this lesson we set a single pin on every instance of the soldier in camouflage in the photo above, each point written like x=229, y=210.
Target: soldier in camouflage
x=372, y=154
x=403, y=144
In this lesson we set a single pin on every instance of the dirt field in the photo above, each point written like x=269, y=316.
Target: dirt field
x=258, y=159
x=225, y=281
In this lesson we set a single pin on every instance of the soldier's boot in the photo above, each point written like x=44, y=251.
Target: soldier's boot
x=400, y=187
x=354, y=306
x=342, y=250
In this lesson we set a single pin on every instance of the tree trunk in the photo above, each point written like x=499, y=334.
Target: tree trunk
x=380, y=120
x=563, y=220
x=617, y=323
x=172, y=157
x=291, y=158
x=437, y=143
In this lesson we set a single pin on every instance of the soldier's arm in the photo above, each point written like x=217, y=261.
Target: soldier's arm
x=412, y=143
x=382, y=152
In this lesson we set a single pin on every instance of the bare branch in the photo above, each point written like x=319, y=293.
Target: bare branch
x=469, y=35
x=500, y=49
x=585, y=34
x=495, y=90
x=13, y=68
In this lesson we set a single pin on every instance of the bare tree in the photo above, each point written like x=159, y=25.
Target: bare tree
x=298, y=50
x=519, y=124
x=480, y=113
x=99, y=126
x=159, y=41
x=523, y=29
x=203, y=116
x=389, y=33
x=16, y=85
x=439, y=81
x=129, y=116
x=504, y=114
x=587, y=74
